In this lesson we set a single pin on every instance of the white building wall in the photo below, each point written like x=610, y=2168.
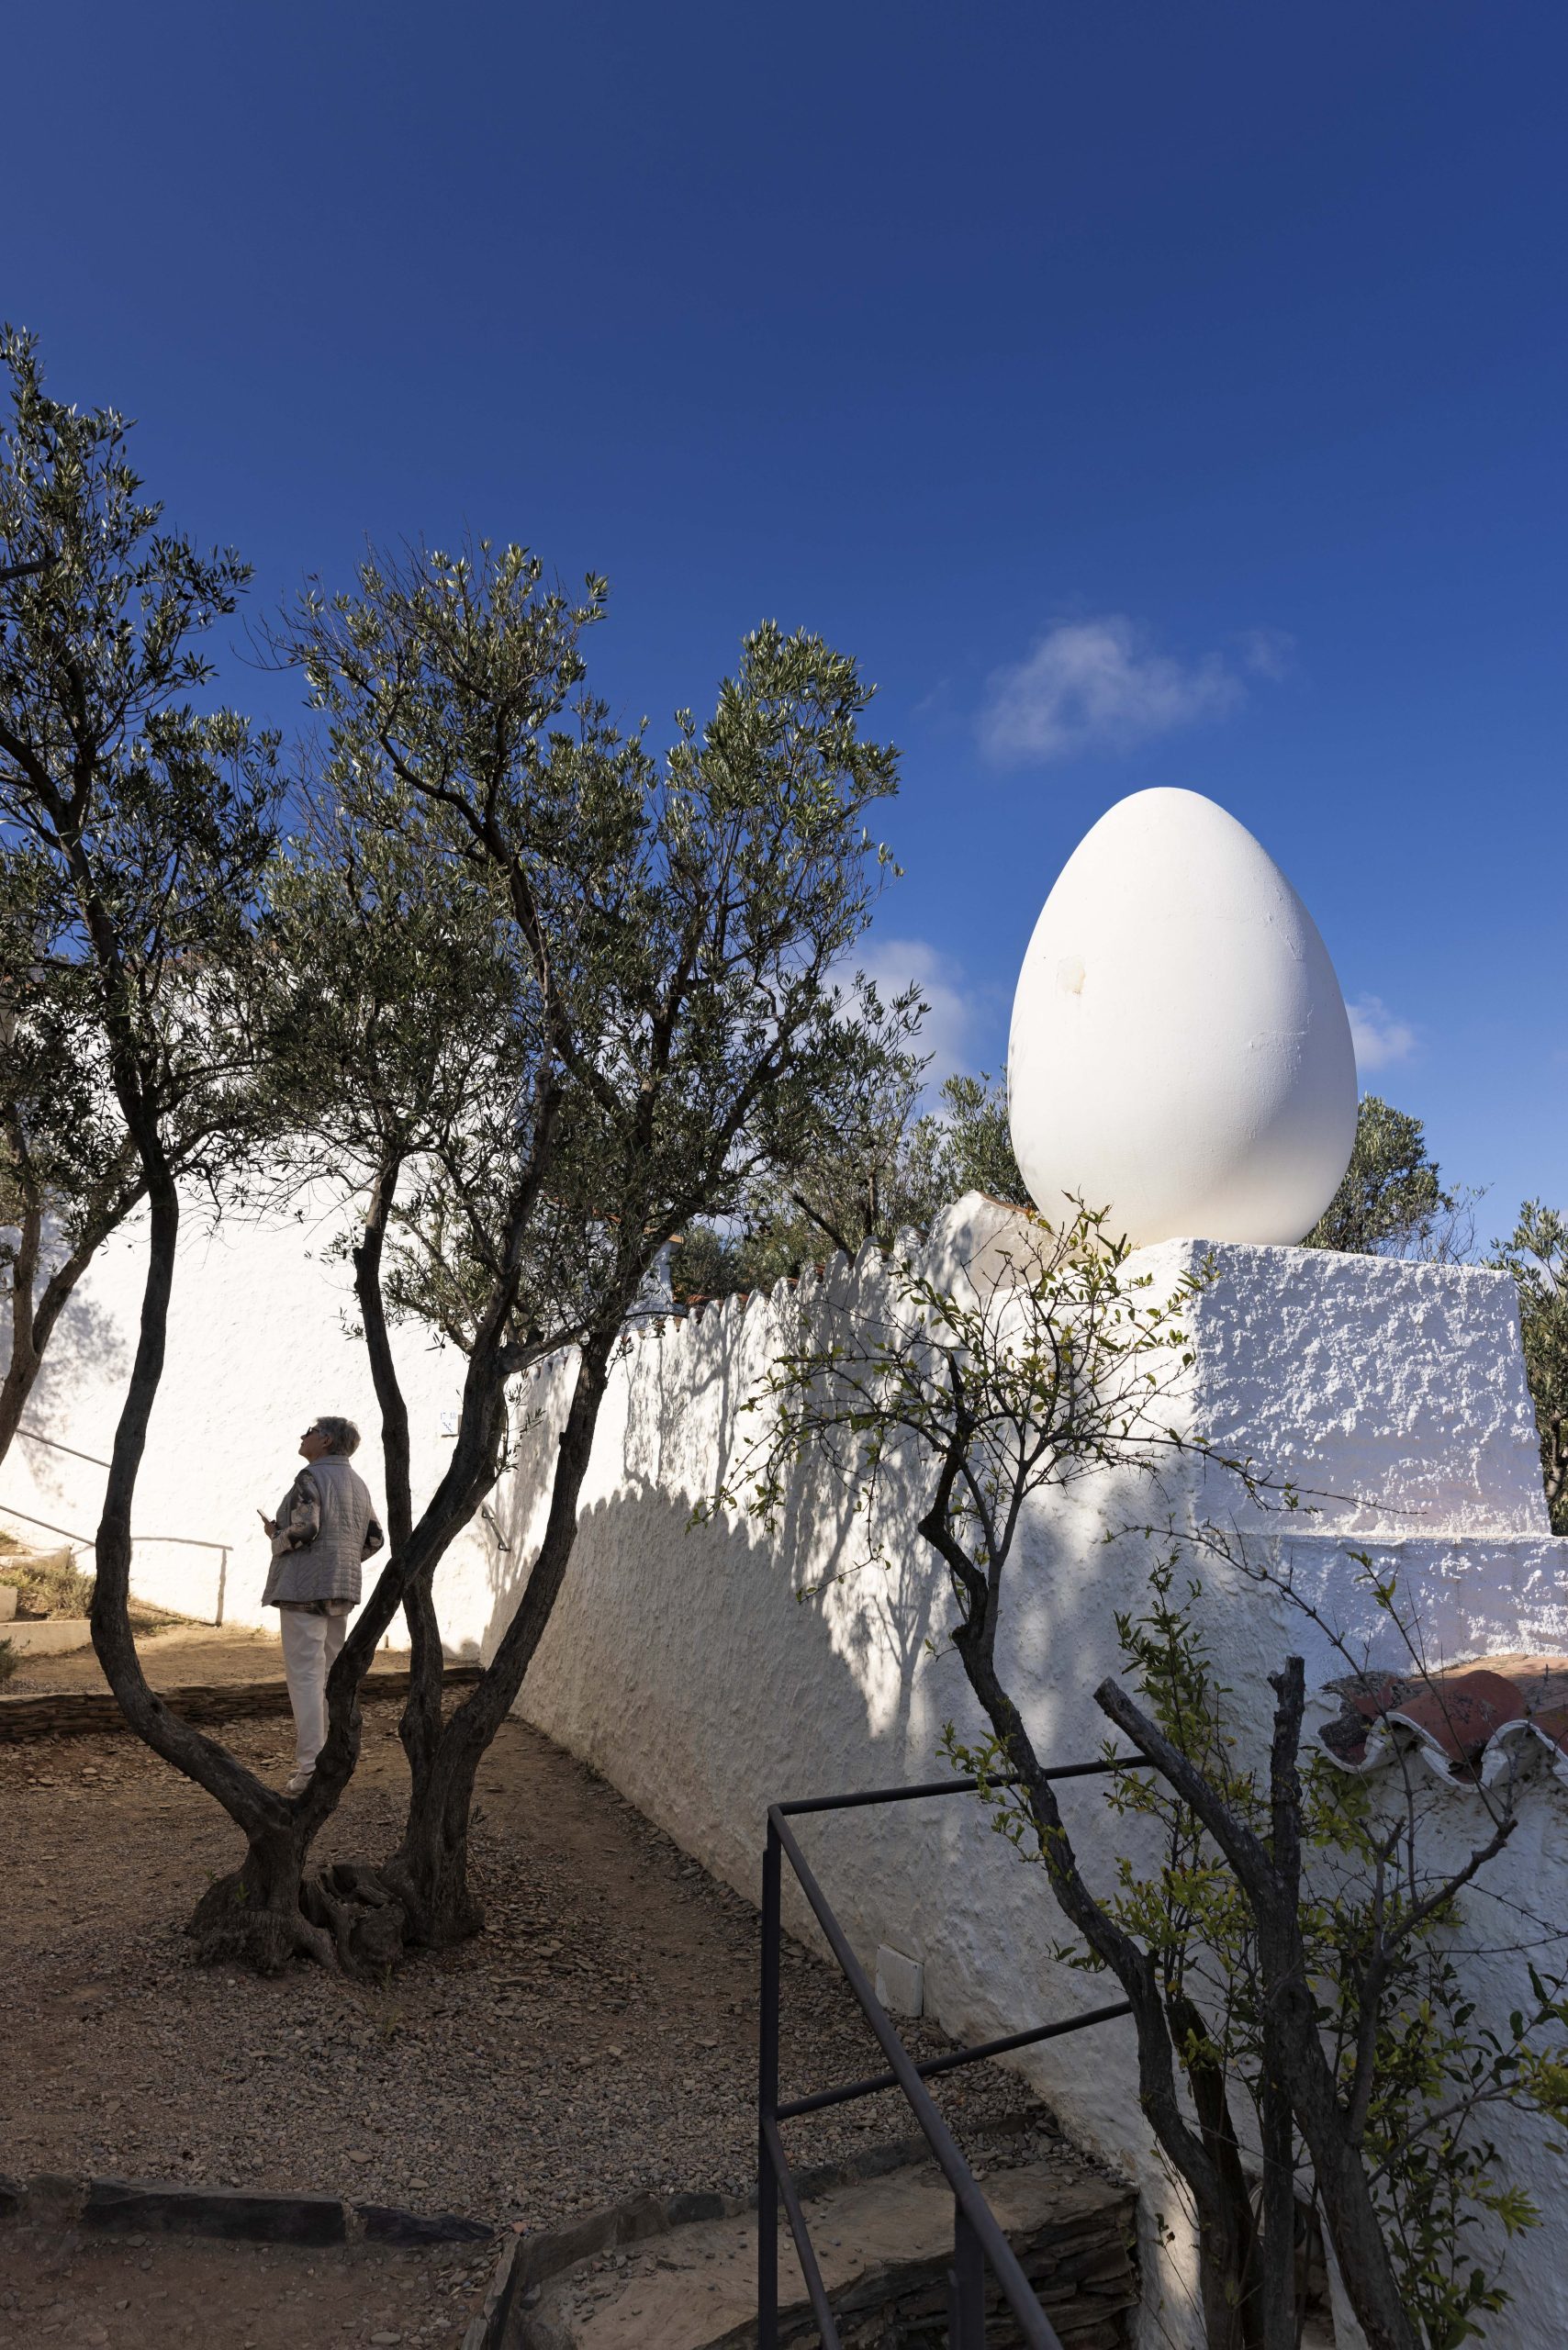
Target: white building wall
x=683, y=1665
x=259, y=1344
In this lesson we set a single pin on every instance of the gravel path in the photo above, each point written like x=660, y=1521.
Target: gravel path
x=598, y=2040
x=152, y=2293
x=185, y=1654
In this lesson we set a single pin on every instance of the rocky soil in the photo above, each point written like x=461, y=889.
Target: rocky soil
x=598, y=2040
x=162, y=2293
x=178, y=1655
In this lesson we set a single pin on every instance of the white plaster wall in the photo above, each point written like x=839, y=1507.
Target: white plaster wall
x=259, y=1344
x=681, y=1664
x=1394, y=1395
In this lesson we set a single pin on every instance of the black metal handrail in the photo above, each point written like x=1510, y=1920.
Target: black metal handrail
x=979, y=2242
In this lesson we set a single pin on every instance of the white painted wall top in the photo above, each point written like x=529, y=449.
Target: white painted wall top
x=1393, y=1396
x=1179, y=1051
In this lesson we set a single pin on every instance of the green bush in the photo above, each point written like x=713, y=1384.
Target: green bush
x=49, y=1584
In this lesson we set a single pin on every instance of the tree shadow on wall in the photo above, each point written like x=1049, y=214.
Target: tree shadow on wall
x=709, y=1669
x=87, y=1350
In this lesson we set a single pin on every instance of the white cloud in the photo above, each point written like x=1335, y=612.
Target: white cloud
x=1267, y=653
x=1377, y=1034
x=947, y=1029
x=1098, y=684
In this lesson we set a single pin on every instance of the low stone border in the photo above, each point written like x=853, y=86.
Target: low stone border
x=247, y=2215
x=131, y=2207
x=71, y=1713
x=240, y=2214
x=529, y=2261
x=250, y=2215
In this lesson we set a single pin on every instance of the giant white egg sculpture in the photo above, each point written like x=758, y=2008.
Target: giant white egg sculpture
x=1179, y=1052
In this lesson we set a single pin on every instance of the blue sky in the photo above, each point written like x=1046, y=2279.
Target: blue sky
x=1148, y=391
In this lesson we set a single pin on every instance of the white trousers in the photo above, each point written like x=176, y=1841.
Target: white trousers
x=311, y=1646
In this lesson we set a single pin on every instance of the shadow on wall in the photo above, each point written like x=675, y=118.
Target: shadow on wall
x=708, y=1671
x=87, y=1344
x=687, y=1666
x=657, y=1579
x=681, y=1665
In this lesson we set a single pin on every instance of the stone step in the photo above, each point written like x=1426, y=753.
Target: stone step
x=47, y=1635
x=884, y=2247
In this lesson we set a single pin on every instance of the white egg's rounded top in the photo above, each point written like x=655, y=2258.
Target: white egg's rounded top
x=1180, y=1054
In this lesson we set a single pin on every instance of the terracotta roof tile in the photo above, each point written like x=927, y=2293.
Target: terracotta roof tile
x=1553, y=1724
x=1462, y=1715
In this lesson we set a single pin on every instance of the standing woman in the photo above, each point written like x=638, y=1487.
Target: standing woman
x=325, y=1527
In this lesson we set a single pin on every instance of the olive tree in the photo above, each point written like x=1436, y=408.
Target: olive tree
x=136, y=832
x=1391, y=1200
x=1536, y=1253
x=393, y=991
x=1357, y=1875
x=891, y=1166
x=656, y=1025
x=69, y=1173
x=132, y=830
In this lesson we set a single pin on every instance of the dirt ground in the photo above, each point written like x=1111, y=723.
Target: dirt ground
x=598, y=2041
x=185, y=1656
x=147, y=2292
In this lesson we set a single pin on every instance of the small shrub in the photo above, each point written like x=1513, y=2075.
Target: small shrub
x=9, y=1660
x=49, y=1584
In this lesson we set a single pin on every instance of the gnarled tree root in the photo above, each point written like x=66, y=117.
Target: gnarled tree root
x=433, y=1922
x=344, y=1918
x=230, y=1927
x=352, y=1917
x=368, y=1924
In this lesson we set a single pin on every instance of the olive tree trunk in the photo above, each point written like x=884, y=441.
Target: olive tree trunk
x=1206, y=2157
x=256, y=1915
x=273, y=1908
x=429, y=1872
x=1268, y=1877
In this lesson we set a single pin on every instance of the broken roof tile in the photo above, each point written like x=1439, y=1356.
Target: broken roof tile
x=1459, y=1712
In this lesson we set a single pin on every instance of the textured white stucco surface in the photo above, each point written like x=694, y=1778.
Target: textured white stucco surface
x=682, y=1663
x=1394, y=1395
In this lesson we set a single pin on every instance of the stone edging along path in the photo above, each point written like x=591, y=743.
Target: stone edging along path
x=71, y=1713
x=242, y=2214
x=529, y=2261
x=246, y=2215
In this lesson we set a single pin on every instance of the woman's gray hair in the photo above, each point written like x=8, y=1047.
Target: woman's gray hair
x=341, y=1435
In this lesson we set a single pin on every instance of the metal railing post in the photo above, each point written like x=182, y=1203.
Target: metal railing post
x=966, y=2287
x=981, y=2248
x=767, y=2103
